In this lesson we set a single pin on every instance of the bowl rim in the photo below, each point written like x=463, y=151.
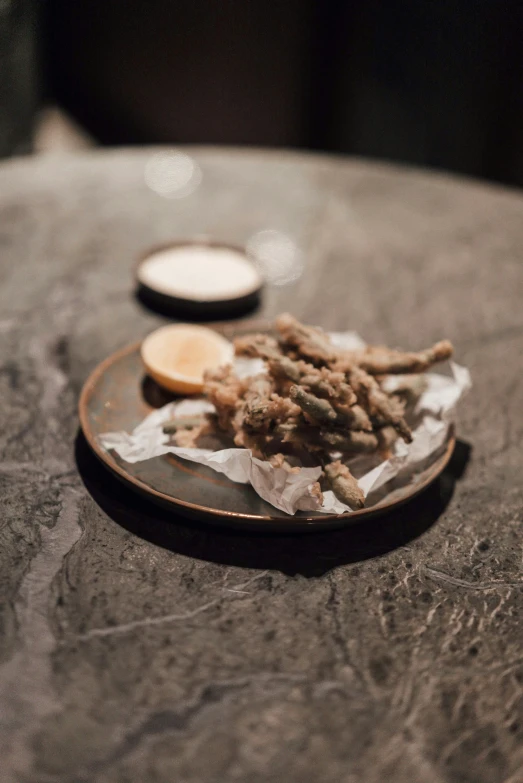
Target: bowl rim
x=195, y=242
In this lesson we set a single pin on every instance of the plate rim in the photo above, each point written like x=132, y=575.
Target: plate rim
x=322, y=520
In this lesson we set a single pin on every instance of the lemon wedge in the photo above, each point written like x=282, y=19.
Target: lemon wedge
x=177, y=356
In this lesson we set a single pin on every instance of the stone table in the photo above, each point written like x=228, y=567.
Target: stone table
x=137, y=647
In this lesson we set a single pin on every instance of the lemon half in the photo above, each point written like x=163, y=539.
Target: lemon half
x=177, y=356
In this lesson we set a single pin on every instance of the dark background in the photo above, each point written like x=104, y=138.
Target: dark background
x=431, y=82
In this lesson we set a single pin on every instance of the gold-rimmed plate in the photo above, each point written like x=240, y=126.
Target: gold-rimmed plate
x=118, y=395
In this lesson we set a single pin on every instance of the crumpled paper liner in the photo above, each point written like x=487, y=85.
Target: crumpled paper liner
x=290, y=492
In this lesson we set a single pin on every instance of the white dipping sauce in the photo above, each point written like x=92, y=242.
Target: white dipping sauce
x=201, y=273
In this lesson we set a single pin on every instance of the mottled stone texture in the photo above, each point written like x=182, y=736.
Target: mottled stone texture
x=137, y=648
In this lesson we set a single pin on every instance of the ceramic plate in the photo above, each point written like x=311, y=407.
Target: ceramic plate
x=118, y=395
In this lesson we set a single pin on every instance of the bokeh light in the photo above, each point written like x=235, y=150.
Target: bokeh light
x=172, y=174
x=277, y=257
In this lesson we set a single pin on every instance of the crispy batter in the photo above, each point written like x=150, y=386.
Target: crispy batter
x=223, y=388
x=316, y=399
x=326, y=383
x=283, y=368
x=308, y=341
x=378, y=360
x=280, y=461
x=344, y=485
x=377, y=403
x=387, y=436
x=322, y=382
x=315, y=492
x=350, y=442
x=282, y=408
x=257, y=401
x=258, y=345
x=353, y=417
x=320, y=411
x=263, y=408
x=300, y=433
x=306, y=435
x=317, y=409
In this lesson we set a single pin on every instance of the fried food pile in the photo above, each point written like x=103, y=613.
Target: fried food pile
x=315, y=404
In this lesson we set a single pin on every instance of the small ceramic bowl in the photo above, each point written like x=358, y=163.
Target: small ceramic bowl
x=163, y=297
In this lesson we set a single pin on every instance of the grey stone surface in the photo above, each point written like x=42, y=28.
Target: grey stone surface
x=136, y=648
